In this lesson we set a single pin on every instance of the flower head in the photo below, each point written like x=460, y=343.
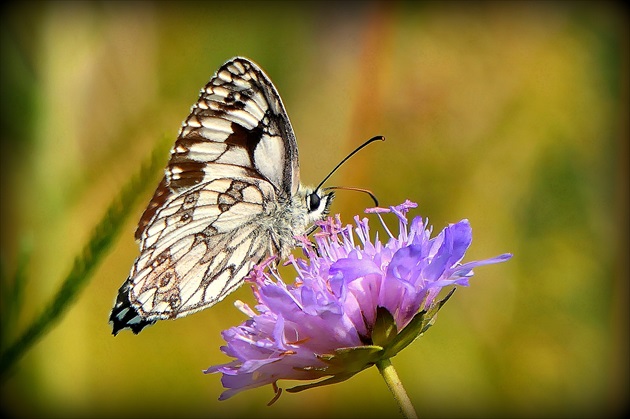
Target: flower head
x=355, y=301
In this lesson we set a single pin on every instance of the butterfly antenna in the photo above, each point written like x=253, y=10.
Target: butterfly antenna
x=356, y=150
x=348, y=188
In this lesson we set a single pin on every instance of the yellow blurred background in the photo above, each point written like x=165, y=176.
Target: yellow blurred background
x=513, y=115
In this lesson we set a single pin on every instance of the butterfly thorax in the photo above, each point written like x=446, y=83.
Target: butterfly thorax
x=288, y=217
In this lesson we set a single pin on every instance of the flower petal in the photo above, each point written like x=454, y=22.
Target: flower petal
x=352, y=305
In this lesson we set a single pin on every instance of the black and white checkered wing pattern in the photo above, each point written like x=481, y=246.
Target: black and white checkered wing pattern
x=214, y=215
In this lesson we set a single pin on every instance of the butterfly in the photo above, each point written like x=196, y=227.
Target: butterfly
x=230, y=197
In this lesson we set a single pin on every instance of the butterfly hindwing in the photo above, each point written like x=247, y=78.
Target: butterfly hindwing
x=198, y=248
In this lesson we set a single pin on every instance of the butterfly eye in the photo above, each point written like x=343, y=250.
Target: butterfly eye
x=312, y=201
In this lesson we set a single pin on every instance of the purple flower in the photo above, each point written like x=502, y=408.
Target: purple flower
x=353, y=304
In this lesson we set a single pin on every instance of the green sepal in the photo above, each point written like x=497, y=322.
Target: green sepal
x=416, y=327
x=352, y=359
x=342, y=364
x=384, y=330
x=332, y=380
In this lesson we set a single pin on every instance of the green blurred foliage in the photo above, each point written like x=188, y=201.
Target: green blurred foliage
x=513, y=115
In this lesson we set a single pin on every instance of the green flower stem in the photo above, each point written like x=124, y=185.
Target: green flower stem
x=388, y=372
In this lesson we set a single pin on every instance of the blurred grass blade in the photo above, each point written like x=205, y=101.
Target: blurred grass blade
x=12, y=292
x=86, y=262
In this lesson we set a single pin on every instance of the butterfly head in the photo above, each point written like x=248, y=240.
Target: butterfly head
x=317, y=204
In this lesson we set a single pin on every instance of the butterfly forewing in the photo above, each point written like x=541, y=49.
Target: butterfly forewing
x=230, y=196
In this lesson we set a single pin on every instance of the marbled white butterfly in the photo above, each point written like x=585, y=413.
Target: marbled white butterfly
x=230, y=197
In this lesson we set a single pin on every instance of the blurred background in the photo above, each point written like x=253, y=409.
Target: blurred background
x=513, y=115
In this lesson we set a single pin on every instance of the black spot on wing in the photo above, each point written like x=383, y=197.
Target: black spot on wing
x=232, y=195
x=124, y=315
x=233, y=101
x=238, y=100
x=206, y=238
x=183, y=146
x=185, y=175
x=246, y=138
